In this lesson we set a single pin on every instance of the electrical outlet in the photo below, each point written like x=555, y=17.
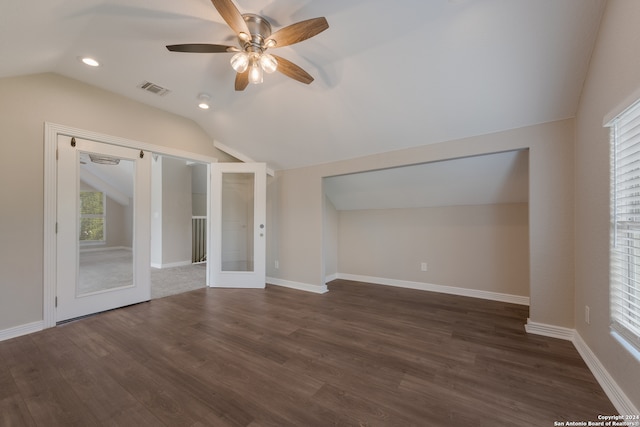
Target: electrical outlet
x=586, y=314
x=423, y=266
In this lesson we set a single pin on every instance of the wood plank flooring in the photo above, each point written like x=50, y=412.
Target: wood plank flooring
x=360, y=355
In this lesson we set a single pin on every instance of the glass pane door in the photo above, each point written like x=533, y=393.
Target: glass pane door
x=105, y=237
x=238, y=225
x=103, y=216
x=237, y=222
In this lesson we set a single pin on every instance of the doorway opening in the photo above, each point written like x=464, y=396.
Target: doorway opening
x=179, y=226
x=142, y=154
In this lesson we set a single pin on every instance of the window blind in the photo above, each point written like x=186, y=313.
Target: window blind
x=625, y=225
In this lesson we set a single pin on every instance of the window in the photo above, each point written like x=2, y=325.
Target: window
x=625, y=225
x=92, y=216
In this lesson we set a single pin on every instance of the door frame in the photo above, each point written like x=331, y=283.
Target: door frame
x=51, y=132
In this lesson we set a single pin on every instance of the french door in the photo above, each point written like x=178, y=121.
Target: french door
x=238, y=233
x=103, y=227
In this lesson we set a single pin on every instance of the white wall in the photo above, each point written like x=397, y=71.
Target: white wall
x=480, y=247
x=297, y=226
x=614, y=75
x=26, y=103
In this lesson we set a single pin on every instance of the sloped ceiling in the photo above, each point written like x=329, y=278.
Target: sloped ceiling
x=479, y=180
x=388, y=74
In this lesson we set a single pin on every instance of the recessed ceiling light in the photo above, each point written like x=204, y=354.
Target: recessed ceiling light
x=203, y=101
x=90, y=61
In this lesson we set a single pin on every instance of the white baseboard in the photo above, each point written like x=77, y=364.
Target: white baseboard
x=98, y=248
x=330, y=277
x=619, y=399
x=298, y=285
x=171, y=264
x=495, y=296
x=549, y=330
x=18, y=331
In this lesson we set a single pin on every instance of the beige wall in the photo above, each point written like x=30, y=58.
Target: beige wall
x=614, y=74
x=331, y=238
x=26, y=103
x=199, y=178
x=119, y=224
x=483, y=247
x=297, y=230
x=176, y=211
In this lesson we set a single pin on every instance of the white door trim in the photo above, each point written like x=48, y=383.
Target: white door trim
x=51, y=132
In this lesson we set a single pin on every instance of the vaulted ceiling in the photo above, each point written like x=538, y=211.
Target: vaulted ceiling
x=388, y=74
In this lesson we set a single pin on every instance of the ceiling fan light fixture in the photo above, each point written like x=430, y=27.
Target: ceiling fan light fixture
x=203, y=101
x=255, y=36
x=268, y=63
x=255, y=71
x=104, y=160
x=240, y=62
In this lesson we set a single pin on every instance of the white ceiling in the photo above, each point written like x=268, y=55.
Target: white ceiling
x=389, y=74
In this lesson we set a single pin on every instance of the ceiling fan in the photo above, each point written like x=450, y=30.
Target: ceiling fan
x=255, y=37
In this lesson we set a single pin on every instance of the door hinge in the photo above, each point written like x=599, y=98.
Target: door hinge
x=56, y=228
x=56, y=301
x=56, y=154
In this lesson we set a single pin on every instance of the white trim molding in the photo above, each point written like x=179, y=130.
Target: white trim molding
x=552, y=331
x=331, y=278
x=619, y=399
x=238, y=155
x=298, y=285
x=18, y=331
x=474, y=293
x=171, y=264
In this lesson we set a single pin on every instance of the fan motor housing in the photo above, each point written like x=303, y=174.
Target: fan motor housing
x=259, y=29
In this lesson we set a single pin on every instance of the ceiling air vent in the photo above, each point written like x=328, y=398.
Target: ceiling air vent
x=153, y=88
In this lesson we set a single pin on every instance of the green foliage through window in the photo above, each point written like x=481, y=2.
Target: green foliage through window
x=91, y=203
x=92, y=216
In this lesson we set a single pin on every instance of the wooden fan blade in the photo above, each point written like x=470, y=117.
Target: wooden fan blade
x=242, y=80
x=290, y=69
x=201, y=48
x=231, y=15
x=295, y=33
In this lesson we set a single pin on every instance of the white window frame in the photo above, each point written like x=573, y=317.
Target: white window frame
x=624, y=247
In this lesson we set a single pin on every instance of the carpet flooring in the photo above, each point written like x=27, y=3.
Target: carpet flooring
x=109, y=269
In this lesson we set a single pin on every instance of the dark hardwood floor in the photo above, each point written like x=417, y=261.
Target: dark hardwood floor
x=360, y=355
